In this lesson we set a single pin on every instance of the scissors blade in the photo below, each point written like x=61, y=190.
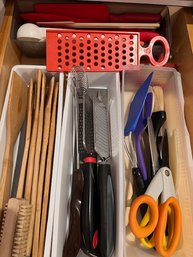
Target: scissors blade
x=153, y=147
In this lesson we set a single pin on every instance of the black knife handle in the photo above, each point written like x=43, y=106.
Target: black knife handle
x=74, y=239
x=90, y=207
x=107, y=210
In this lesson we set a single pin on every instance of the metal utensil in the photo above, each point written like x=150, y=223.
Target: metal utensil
x=105, y=186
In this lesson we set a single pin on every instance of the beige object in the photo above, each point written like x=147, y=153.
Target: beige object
x=30, y=166
x=16, y=112
x=48, y=173
x=158, y=99
x=46, y=131
x=36, y=165
x=15, y=228
x=22, y=176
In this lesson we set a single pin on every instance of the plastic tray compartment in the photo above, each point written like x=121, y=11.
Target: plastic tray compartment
x=27, y=72
x=179, y=153
x=96, y=80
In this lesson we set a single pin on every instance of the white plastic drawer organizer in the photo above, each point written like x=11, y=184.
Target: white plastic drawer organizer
x=168, y=82
x=63, y=159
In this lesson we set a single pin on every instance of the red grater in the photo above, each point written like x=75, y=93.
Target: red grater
x=99, y=50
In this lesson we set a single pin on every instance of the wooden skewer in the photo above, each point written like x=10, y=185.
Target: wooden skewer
x=16, y=111
x=46, y=131
x=22, y=176
x=48, y=173
x=37, y=162
x=30, y=166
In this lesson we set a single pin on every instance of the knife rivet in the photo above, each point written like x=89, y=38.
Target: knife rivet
x=167, y=172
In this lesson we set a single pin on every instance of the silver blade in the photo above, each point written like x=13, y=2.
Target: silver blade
x=153, y=147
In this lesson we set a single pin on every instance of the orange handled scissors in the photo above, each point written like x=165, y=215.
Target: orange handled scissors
x=161, y=184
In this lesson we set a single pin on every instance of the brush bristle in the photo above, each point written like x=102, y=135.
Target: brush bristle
x=22, y=230
x=3, y=222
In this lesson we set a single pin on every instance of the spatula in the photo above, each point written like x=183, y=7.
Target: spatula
x=16, y=112
x=137, y=106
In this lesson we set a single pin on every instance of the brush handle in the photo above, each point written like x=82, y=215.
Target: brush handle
x=89, y=207
x=6, y=177
x=107, y=210
x=73, y=242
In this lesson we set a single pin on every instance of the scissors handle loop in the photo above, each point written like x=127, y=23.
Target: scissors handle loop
x=174, y=234
x=138, y=231
x=148, y=51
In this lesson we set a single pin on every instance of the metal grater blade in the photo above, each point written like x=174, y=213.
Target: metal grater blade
x=101, y=128
x=88, y=130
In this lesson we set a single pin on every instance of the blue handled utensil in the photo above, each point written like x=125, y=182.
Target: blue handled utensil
x=137, y=105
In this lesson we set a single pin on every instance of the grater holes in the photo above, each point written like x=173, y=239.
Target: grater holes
x=96, y=57
x=131, y=54
x=81, y=64
x=131, y=48
x=59, y=35
x=96, y=51
x=66, y=38
x=131, y=60
x=117, y=54
x=67, y=57
x=131, y=42
x=81, y=51
x=74, y=41
x=110, y=57
x=124, y=51
x=102, y=42
x=124, y=63
x=88, y=42
x=110, y=51
x=88, y=67
x=74, y=48
x=123, y=45
x=123, y=39
x=66, y=44
x=116, y=48
x=116, y=42
x=73, y=54
x=124, y=57
x=103, y=60
x=110, y=63
x=95, y=44
x=102, y=35
x=116, y=60
x=59, y=54
x=88, y=54
x=103, y=48
x=67, y=51
x=109, y=45
x=59, y=48
x=59, y=60
x=103, y=54
x=110, y=39
x=60, y=67
x=59, y=41
x=81, y=38
x=116, y=36
x=81, y=57
x=88, y=35
x=88, y=60
x=95, y=38
x=74, y=60
x=102, y=67
x=95, y=63
x=88, y=48
x=117, y=66
x=131, y=37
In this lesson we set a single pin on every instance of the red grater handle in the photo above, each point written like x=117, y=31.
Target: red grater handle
x=148, y=51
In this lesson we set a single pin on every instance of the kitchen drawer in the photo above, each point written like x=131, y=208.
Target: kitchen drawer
x=181, y=52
